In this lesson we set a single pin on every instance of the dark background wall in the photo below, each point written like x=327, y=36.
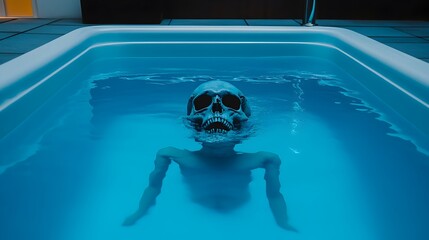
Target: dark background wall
x=374, y=9
x=151, y=11
x=234, y=8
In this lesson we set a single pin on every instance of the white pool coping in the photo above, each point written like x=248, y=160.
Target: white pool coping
x=411, y=75
x=414, y=68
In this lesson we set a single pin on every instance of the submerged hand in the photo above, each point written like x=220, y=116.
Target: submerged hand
x=131, y=220
x=288, y=227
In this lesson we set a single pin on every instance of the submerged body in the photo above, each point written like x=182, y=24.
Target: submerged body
x=218, y=177
x=221, y=189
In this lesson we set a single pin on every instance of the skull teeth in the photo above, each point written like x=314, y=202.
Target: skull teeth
x=217, y=125
x=217, y=131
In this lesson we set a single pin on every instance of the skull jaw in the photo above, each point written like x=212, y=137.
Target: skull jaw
x=217, y=129
x=217, y=124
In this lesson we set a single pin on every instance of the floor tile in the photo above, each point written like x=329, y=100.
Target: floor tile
x=379, y=32
x=5, y=35
x=16, y=27
x=418, y=50
x=54, y=29
x=7, y=57
x=400, y=39
x=74, y=22
x=2, y=20
x=271, y=22
x=37, y=21
x=23, y=43
x=212, y=22
x=416, y=31
x=370, y=23
x=24, y=24
x=165, y=22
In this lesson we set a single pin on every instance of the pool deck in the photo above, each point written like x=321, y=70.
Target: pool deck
x=21, y=35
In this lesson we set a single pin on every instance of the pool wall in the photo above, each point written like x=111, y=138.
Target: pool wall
x=399, y=80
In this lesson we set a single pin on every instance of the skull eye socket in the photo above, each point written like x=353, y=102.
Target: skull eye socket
x=202, y=101
x=231, y=101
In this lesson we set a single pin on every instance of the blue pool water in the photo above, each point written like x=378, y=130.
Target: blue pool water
x=351, y=167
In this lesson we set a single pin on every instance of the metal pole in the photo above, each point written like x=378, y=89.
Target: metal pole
x=310, y=13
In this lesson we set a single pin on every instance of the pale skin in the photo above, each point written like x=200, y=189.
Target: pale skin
x=219, y=165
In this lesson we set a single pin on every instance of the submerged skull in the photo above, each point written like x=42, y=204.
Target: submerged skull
x=217, y=107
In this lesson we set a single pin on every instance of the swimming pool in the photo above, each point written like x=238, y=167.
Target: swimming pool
x=82, y=120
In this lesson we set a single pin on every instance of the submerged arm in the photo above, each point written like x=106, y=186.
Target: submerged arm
x=275, y=197
x=148, y=198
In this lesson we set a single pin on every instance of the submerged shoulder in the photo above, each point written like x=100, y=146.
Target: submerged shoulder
x=168, y=152
x=261, y=159
x=268, y=155
x=269, y=158
x=172, y=153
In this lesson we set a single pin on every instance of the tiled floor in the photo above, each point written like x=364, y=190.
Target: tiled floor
x=18, y=36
